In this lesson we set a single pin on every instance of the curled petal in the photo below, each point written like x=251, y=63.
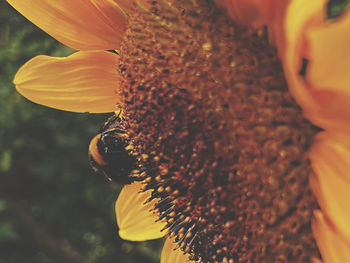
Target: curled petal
x=172, y=255
x=299, y=16
x=328, y=72
x=86, y=81
x=330, y=60
x=273, y=14
x=329, y=157
x=135, y=220
x=333, y=247
x=80, y=24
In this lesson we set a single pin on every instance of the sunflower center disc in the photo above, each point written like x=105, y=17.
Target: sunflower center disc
x=223, y=143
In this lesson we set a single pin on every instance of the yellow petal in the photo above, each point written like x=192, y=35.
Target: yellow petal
x=273, y=14
x=333, y=248
x=80, y=24
x=330, y=157
x=172, y=255
x=135, y=221
x=328, y=71
x=330, y=57
x=86, y=81
x=300, y=13
x=321, y=105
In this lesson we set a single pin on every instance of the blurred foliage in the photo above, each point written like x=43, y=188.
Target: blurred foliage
x=336, y=7
x=53, y=208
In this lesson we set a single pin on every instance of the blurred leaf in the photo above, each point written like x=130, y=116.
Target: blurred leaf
x=7, y=232
x=336, y=7
x=4, y=34
x=5, y=161
x=2, y=205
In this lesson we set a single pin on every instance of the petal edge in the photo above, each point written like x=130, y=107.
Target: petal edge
x=135, y=221
x=172, y=255
x=79, y=24
x=85, y=81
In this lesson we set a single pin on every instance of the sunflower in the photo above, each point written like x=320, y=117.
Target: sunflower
x=242, y=142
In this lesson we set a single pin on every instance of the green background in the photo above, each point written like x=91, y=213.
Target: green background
x=53, y=207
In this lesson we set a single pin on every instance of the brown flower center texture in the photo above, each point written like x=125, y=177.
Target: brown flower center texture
x=223, y=143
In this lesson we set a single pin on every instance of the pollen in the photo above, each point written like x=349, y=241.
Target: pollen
x=226, y=144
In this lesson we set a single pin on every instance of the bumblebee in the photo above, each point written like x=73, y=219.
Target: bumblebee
x=110, y=153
